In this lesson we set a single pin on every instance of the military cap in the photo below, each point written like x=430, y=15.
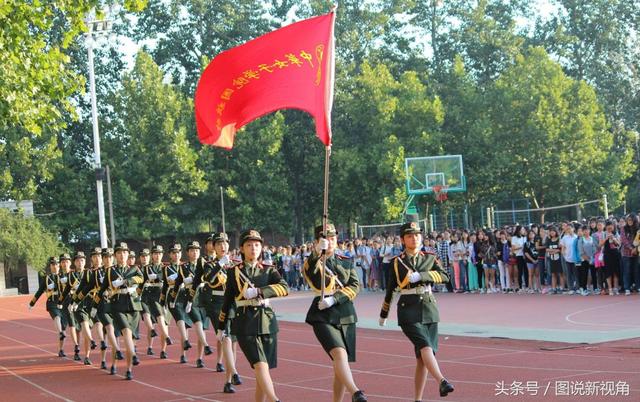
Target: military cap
x=210, y=238
x=79, y=254
x=144, y=252
x=107, y=252
x=250, y=234
x=410, y=228
x=193, y=245
x=96, y=251
x=176, y=248
x=157, y=249
x=132, y=254
x=53, y=260
x=122, y=246
x=331, y=230
x=220, y=236
x=65, y=256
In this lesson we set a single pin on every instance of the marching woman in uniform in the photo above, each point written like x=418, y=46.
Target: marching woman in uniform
x=66, y=276
x=51, y=285
x=73, y=283
x=102, y=305
x=211, y=279
x=82, y=303
x=187, y=296
x=413, y=273
x=122, y=281
x=152, y=311
x=250, y=284
x=169, y=296
x=333, y=317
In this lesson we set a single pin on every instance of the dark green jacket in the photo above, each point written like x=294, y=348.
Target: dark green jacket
x=151, y=294
x=213, y=277
x=127, y=302
x=249, y=320
x=54, y=296
x=414, y=308
x=343, y=311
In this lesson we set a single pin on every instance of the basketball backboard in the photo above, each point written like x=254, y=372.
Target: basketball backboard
x=423, y=173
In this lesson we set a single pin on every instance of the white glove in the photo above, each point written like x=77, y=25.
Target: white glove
x=117, y=283
x=153, y=277
x=188, y=308
x=188, y=280
x=51, y=286
x=326, y=302
x=414, y=277
x=76, y=285
x=173, y=277
x=74, y=306
x=70, y=308
x=63, y=279
x=382, y=322
x=94, y=311
x=220, y=335
x=172, y=304
x=322, y=245
x=224, y=260
x=250, y=293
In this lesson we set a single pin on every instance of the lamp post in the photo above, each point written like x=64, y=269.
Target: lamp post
x=97, y=28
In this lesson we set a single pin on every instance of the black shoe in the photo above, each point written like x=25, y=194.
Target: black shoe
x=87, y=362
x=199, y=363
x=76, y=357
x=186, y=345
x=62, y=336
x=135, y=360
x=445, y=387
x=113, y=370
x=94, y=345
x=228, y=389
x=207, y=350
x=119, y=355
x=103, y=345
x=359, y=397
x=128, y=376
x=150, y=352
x=163, y=354
x=236, y=379
x=219, y=368
x=76, y=349
x=153, y=333
x=103, y=365
x=169, y=341
x=183, y=360
x=61, y=353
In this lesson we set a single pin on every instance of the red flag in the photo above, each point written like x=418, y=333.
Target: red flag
x=291, y=67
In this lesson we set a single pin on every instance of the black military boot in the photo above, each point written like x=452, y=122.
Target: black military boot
x=445, y=387
x=163, y=354
x=183, y=359
x=186, y=345
x=129, y=376
x=119, y=355
x=219, y=368
x=103, y=365
x=207, y=350
x=228, y=389
x=359, y=396
x=113, y=370
x=236, y=379
x=87, y=362
x=135, y=360
x=199, y=363
x=150, y=352
x=61, y=353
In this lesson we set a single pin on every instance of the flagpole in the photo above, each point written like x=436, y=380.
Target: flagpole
x=222, y=208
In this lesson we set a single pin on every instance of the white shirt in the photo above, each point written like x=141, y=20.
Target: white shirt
x=567, y=242
x=518, y=242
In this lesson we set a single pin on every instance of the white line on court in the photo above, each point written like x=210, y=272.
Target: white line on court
x=43, y=389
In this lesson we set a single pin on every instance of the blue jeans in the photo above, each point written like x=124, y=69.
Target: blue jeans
x=629, y=272
x=464, y=284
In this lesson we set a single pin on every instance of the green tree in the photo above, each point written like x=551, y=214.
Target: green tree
x=556, y=135
x=153, y=166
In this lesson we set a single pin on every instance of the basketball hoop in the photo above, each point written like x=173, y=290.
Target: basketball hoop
x=440, y=192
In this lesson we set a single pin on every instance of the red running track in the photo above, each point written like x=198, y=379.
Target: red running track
x=31, y=371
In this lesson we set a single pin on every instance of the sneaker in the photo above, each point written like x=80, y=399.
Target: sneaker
x=163, y=354
x=150, y=352
x=235, y=379
x=572, y=292
x=219, y=368
x=616, y=291
x=610, y=292
x=228, y=389
x=359, y=396
x=199, y=363
x=445, y=387
x=627, y=292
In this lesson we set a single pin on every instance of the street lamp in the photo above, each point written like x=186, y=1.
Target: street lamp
x=97, y=28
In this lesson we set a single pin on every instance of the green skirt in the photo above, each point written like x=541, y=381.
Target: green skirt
x=260, y=348
x=337, y=336
x=128, y=320
x=57, y=312
x=179, y=314
x=422, y=336
x=198, y=314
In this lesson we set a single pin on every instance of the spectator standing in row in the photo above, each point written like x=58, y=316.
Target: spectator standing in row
x=503, y=252
x=567, y=245
x=444, y=253
x=531, y=256
x=586, y=253
x=387, y=254
x=517, y=249
x=629, y=253
x=472, y=270
x=554, y=251
x=611, y=254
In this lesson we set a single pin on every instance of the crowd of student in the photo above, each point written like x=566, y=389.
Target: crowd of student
x=594, y=256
